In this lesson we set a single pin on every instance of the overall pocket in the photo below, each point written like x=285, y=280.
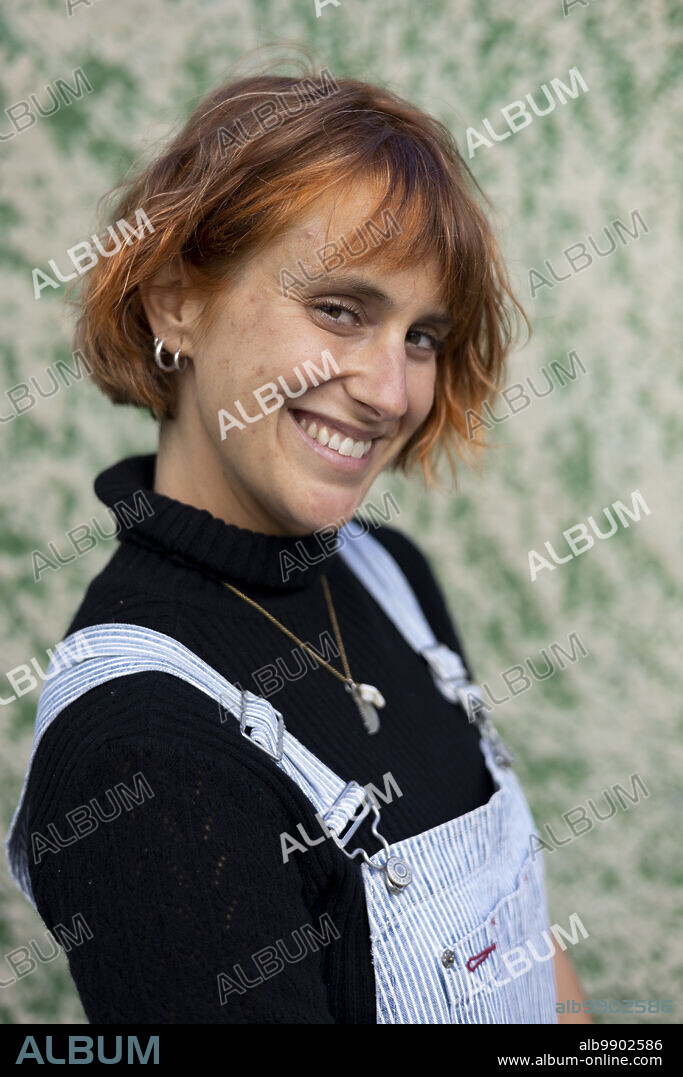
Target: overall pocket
x=502, y=971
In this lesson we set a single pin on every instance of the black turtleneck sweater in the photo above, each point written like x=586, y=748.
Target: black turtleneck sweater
x=191, y=883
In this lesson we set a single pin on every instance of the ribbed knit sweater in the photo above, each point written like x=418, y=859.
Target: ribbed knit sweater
x=181, y=890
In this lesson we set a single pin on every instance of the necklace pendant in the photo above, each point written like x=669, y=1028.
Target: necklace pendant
x=364, y=695
x=370, y=694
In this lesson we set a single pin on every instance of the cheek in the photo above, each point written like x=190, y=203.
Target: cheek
x=258, y=341
x=422, y=393
x=234, y=361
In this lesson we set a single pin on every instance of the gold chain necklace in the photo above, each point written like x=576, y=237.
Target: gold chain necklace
x=365, y=696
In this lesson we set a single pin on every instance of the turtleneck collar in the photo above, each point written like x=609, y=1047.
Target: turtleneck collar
x=197, y=539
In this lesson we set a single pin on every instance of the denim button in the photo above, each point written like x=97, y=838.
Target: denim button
x=447, y=958
x=398, y=873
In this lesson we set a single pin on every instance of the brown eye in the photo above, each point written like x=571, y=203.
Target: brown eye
x=432, y=344
x=335, y=312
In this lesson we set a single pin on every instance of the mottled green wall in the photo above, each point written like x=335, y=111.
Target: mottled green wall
x=615, y=429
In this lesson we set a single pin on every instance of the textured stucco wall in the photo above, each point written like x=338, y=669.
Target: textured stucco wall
x=615, y=429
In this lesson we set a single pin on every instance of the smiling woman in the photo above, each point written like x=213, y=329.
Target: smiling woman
x=368, y=366
x=227, y=226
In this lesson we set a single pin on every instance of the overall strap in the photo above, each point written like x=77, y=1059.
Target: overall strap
x=103, y=652
x=383, y=577
x=380, y=574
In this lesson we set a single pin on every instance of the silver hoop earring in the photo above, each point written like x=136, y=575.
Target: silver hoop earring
x=176, y=359
x=158, y=345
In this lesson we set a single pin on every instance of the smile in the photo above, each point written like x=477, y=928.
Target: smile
x=331, y=442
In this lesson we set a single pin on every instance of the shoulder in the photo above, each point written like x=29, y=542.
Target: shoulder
x=163, y=828
x=416, y=567
x=158, y=726
x=422, y=577
x=405, y=551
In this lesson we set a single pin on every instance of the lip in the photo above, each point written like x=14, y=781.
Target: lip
x=347, y=463
x=354, y=432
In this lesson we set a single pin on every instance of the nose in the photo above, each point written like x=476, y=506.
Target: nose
x=376, y=378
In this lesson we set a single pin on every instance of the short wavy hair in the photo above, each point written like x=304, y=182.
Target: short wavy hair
x=248, y=161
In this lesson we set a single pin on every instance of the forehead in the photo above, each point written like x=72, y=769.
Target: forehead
x=334, y=213
x=352, y=226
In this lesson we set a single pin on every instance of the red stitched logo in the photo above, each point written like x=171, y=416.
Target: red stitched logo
x=474, y=962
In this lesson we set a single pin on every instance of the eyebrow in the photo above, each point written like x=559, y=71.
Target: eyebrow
x=371, y=291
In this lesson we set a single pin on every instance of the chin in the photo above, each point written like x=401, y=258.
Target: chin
x=327, y=509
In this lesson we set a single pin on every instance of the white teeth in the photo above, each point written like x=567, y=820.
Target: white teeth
x=345, y=446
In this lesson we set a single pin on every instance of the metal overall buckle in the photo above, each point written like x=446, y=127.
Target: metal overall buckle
x=397, y=872
x=450, y=675
x=246, y=721
x=482, y=718
x=446, y=666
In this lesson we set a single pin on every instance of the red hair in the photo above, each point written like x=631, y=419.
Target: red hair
x=248, y=161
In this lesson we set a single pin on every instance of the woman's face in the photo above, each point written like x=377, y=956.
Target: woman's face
x=381, y=327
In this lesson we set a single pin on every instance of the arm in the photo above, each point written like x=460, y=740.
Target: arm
x=569, y=989
x=181, y=888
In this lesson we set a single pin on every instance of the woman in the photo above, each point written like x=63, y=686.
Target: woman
x=317, y=298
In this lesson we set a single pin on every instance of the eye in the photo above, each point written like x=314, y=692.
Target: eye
x=338, y=312
x=429, y=342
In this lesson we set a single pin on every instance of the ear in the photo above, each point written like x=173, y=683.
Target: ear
x=169, y=311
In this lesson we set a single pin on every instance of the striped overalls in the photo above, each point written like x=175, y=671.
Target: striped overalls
x=450, y=910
